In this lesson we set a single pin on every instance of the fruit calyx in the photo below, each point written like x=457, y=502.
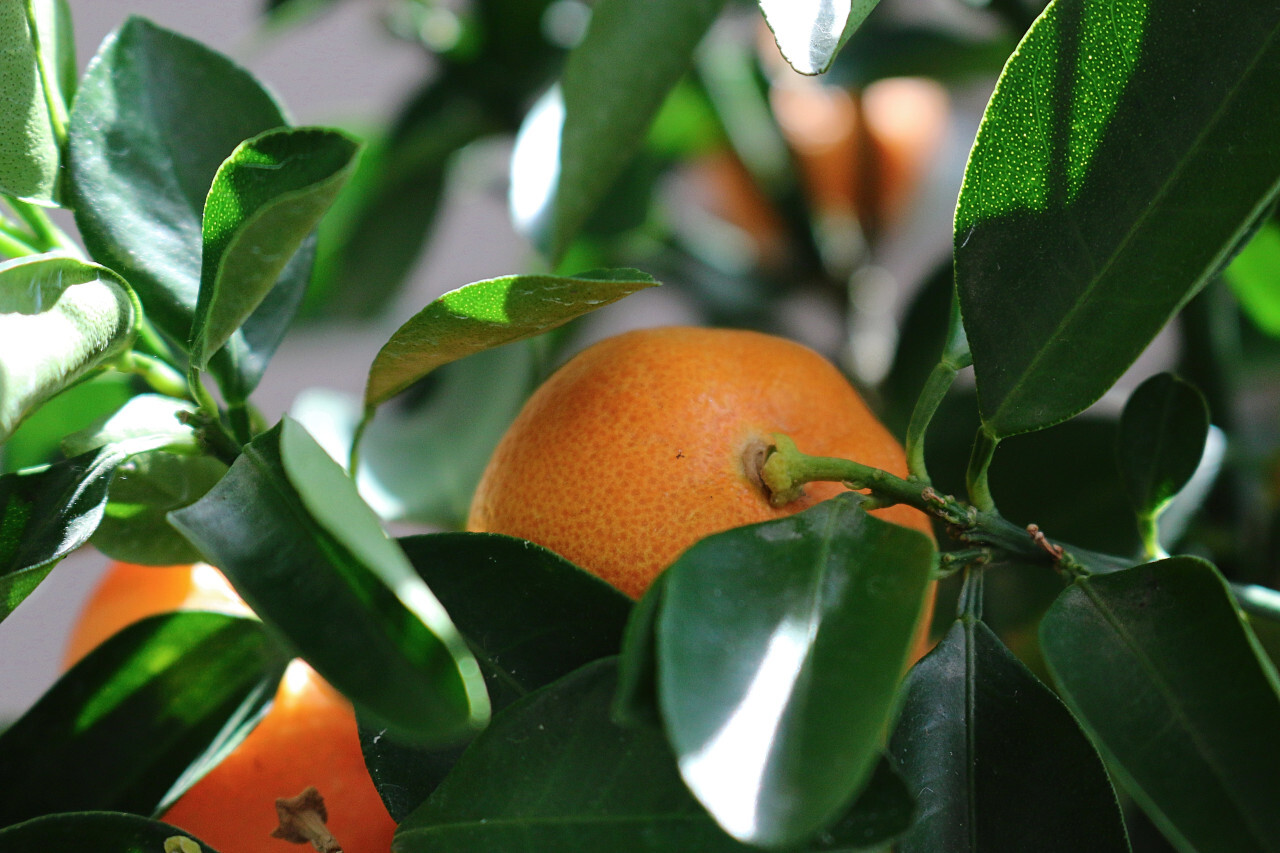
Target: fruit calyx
x=302, y=821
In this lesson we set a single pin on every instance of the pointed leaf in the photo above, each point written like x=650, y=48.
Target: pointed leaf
x=139, y=197
x=266, y=198
x=486, y=314
x=59, y=319
x=102, y=832
x=298, y=544
x=1076, y=237
x=809, y=33
x=142, y=416
x=1161, y=439
x=780, y=648
x=135, y=526
x=576, y=140
x=47, y=514
x=1254, y=277
x=38, y=441
x=119, y=728
x=30, y=154
x=1159, y=667
x=578, y=782
x=530, y=616
x=997, y=760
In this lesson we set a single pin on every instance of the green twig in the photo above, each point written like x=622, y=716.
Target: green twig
x=48, y=234
x=353, y=457
x=984, y=448
x=160, y=376
x=13, y=244
x=786, y=469
x=955, y=357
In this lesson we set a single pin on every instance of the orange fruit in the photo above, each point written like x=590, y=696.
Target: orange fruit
x=308, y=737
x=634, y=449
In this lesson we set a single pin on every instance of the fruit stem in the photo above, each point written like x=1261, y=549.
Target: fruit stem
x=786, y=469
x=302, y=821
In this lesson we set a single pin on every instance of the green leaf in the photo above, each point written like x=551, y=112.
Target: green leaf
x=1126, y=152
x=59, y=319
x=576, y=140
x=579, y=782
x=135, y=527
x=1158, y=666
x=102, y=832
x=486, y=314
x=635, y=703
x=997, y=760
x=810, y=33
x=780, y=648
x=119, y=728
x=47, y=514
x=298, y=544
x=1254, y=277
x=443, y=427
x=139, y=197
x=1162, y=436
x=38, y=439
x=529, y=616
x=32, y=106
x=375, y=232
x=266, y=198
x=142, y=416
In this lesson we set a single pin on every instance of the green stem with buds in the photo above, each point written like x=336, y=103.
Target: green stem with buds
x=786, y=469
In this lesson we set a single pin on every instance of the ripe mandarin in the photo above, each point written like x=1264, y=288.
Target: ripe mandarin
x=308, y=737
x=633, y=450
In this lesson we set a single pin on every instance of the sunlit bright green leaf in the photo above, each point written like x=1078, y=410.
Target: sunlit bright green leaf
x=1128, y=148
x=265, y=200
x=489, y=313
x=33, y=102
x=59, y=319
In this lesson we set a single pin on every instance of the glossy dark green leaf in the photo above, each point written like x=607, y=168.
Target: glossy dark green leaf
x=47, y=513
x=1254, y=277
x=486, y=314
x=1127, y=150
x=996, y=759
x=265, y=199
x=780, y=648
x=1161, y=439
x=579, y=136
x=884, y=48
x=120, y=727
x=1159, y=667
x=60, y=318
x=529, y=616
x=309, y=556
x=810, y=33
x=102, y=832
x=32, y=37
x=135, y=526
x=579, y=782
x=37, y=440
x=139, y=197
x=636, y=701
